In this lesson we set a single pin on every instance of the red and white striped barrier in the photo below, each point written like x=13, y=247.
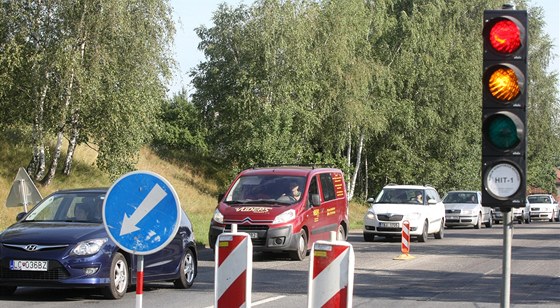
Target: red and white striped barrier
x=331, y=274
x=405, y=241
x=233, y=270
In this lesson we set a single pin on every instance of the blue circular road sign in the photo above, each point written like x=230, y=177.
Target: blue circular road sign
x=141, y=212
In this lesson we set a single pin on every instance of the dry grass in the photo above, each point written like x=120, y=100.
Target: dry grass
x=197, y=193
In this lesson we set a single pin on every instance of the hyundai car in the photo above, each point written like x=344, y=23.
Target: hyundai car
x=62, y=242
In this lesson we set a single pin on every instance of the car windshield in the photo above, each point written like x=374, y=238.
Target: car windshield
x=460, y=197
x=538, y=199
x=400, y=195
x=76, y=206
x=268, y=189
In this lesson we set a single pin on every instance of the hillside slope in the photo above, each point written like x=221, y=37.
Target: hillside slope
x=196, y=193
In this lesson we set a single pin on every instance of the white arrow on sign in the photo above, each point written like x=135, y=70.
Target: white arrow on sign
x=152, y=199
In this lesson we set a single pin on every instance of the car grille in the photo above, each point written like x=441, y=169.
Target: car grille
x=260, y=229
x=56, y=272
x=453, y=211
x=382, y=229
x=244, y=228
x=384, y=217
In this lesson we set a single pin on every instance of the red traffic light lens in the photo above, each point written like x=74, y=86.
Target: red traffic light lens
x=505, y=36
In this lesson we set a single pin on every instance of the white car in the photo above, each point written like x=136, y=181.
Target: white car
x=463, y=208
x=520, y=214
x=542, y=207
x=421, y=206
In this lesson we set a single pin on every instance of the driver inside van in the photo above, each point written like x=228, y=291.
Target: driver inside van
x=294, y=191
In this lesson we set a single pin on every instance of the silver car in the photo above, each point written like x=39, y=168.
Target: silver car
x=463, y=208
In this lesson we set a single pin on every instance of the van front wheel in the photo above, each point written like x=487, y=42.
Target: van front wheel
x=301, y=251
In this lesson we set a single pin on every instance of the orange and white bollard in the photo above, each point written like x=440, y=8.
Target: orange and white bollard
x=405, y=242
x=405, y=238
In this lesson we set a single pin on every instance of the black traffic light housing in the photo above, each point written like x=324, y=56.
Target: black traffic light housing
x=504, y=102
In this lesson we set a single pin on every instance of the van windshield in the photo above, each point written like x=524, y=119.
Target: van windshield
x=267, y=189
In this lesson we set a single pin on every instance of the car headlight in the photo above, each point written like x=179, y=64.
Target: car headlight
x=284, y=217
x=218, y=217
x=89, y=247
x=469, y=212
x=370, y=215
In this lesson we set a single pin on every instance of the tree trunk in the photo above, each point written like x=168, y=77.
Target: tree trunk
x=357, y=168
x=366, y=173
x=36, y=167
x=56, y=156
x=58, y=148
x=75, y=121
x=72, y=143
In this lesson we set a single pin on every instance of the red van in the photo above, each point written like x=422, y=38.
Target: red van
x=284, y=209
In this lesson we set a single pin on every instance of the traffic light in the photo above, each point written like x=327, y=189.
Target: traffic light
x=504, y=101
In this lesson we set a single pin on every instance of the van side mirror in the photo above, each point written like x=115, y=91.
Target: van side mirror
x=20, y=216
x=220, y=197
x=315, y=200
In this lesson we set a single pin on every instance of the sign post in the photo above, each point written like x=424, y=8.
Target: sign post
x=141, y=214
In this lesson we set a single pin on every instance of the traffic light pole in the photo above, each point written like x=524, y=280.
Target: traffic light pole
x=506, y=261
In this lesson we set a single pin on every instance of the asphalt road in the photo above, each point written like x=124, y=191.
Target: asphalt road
x=462, y=270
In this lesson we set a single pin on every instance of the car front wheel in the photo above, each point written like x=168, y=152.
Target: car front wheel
x=424, y=236
x=478, y=222
x=301, y=251
x=119, y=277
x=439, y=235
x=187, y=271
x=341, y=235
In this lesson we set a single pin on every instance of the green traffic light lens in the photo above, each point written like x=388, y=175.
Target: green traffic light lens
x=502, y=132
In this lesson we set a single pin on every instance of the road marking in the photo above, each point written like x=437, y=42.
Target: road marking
x=149, y=203
x=263, y=301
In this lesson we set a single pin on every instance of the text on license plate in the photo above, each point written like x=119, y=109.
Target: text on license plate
x=390, y=224
x=29, y=265
x=253, y=235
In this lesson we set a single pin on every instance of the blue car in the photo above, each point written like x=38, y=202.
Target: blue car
x=62, y=242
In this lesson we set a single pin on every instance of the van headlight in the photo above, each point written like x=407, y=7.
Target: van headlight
x=284, y=217
x=89, y=247
x=218, y=216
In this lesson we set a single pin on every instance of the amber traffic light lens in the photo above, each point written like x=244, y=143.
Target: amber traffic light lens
x=504, y=84
x=505, y=36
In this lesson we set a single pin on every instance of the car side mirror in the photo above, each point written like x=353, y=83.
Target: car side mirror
x=432, y=201
x=370, y=200
x=20, y=216
x=315, y=200
x=220, y=197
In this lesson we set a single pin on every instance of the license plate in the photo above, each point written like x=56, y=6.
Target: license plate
x=253, y=235
x=29, y=265
x=389, y=224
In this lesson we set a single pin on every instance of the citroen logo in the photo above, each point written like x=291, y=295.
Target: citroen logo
x=31, y=247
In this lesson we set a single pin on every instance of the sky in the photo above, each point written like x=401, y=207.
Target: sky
x=190, y=14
